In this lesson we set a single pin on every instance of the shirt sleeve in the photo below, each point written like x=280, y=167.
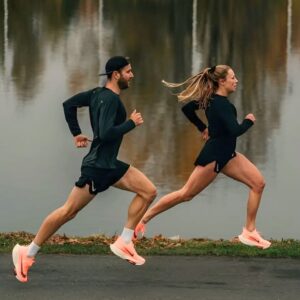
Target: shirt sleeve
x=107, y=129
x=70, y=109
x=189, y=111
x=226, y=113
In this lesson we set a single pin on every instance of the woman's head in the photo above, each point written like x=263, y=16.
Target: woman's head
x=200, y=87
x=228, y=84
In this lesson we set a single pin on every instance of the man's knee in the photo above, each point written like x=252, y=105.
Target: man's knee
x=68, y=213
x=150, y=193
x=259, y=185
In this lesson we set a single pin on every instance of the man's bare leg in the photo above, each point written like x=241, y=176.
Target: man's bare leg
x=134, y=181
x=23, y=256
x=77, y=200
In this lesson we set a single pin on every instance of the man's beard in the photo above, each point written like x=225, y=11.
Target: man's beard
x=123, y=84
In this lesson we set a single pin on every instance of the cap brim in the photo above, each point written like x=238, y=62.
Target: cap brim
x=103, y=74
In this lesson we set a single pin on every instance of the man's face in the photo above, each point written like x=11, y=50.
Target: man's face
x=125, y=77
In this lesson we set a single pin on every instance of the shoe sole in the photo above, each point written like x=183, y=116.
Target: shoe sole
x=121, y=254
x=249, y=243
x=15, y=254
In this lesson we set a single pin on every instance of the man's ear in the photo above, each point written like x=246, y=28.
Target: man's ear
x=116, y=75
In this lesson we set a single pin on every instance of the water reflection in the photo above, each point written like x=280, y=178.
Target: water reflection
x=52, y=49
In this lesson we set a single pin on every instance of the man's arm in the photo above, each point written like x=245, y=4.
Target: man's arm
x=70, y=109
x=107, y=129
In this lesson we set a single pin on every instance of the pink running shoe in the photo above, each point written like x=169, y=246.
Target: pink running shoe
x=139, y=231
x=253, y=238
x=21, y=262
x=126, y=251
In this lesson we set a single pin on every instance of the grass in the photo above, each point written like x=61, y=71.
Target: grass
x=158, y=245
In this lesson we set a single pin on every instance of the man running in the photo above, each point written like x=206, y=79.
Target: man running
x=100, y=167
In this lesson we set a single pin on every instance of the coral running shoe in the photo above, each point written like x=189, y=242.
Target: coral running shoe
x=21, y=262
x=253, y=238
x=126, y=251
x=139, y=231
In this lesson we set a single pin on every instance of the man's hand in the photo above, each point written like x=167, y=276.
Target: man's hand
x=81, y=141
x=136, y=118
x=205, y=135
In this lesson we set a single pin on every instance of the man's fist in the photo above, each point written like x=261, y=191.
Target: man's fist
x=81, y=141
x=136, y=118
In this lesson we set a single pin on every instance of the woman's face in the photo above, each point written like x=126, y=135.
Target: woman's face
x=230, y=82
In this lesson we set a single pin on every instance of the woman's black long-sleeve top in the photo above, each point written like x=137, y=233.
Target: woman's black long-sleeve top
x=223, y=129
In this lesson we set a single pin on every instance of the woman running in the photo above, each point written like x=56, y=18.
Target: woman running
x=209, y=90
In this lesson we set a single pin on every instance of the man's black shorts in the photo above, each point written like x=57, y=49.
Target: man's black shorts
x=100, y=180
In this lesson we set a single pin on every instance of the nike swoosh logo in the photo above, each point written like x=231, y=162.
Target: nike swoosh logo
x=256, y=240
x=128, y=252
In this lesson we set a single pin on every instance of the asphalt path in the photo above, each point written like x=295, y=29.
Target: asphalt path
x=162, y=277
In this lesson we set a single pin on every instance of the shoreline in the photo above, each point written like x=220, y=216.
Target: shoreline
x=156, y=246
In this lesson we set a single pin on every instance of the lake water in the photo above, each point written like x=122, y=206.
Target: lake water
x=50, y=50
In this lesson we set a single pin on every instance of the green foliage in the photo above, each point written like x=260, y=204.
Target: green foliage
x=153, y=246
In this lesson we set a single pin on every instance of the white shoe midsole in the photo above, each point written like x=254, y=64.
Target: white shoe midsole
x=15, y=254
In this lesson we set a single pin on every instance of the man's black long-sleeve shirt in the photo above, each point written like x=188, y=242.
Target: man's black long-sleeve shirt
x=108, y=121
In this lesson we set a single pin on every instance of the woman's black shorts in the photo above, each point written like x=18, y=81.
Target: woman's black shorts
x=100, y=180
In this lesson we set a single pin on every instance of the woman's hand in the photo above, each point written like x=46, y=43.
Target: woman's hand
x=250, y=117
x=205, y=135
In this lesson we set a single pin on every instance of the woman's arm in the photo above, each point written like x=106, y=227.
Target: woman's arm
x=189, y=111
x=226, y=113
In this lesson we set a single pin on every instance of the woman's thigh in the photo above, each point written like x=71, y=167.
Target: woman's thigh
x=242, y=169
x=200, y=178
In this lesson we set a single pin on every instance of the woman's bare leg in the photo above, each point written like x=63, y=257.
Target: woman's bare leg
x=241, y=169
x=200, y=178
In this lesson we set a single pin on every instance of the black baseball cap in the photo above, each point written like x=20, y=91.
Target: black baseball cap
x=115, y=63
